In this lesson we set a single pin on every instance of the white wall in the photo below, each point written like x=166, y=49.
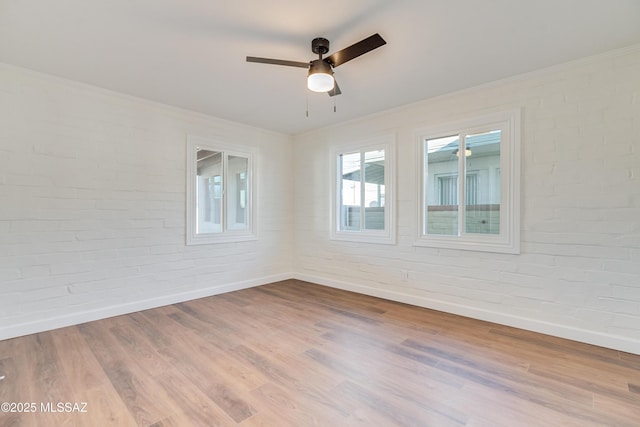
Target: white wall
x=92, y=205
x=578, y=275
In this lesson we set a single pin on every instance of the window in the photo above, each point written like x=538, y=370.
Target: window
x=219, y=193
x=362, y=196
x=469, y=184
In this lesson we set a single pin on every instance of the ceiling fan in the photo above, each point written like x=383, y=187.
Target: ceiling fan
x=320, y=77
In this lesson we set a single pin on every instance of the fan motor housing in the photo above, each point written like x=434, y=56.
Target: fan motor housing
x=320, y=45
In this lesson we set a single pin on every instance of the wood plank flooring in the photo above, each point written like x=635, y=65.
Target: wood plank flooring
x=296, y=354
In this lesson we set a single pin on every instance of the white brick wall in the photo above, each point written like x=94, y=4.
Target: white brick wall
x=92, y=194
x=579, y=272
x=92, y=205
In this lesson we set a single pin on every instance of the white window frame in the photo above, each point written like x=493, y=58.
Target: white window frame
x=388, y=235
x=226, y=235
x=508, y=241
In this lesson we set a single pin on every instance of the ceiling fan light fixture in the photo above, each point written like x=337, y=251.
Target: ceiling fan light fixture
x=467, y=152
x=320, y=78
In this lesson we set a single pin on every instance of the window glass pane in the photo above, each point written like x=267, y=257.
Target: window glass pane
x=237, y=193
x=209, y=192
x=374, y=190
x=482, y=197
x=350, y=194
x=441, y=190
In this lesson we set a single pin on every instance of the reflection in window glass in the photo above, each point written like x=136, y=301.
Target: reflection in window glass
x=374, y=217
x=350, y=194
x=441, y=191
x=209, y=192
x=362, y=191
x=220, y=196
x=480, y=189
x=362, y=197
x=482, y=165
x=237, y=192
x=210, y=189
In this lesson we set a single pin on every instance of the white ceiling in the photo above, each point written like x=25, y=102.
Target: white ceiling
x=191, y=53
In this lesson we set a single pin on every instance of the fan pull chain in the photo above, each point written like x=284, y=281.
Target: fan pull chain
x=307, y=99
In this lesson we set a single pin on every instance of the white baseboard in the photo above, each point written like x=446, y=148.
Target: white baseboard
x=75, y=318
x=562, y=331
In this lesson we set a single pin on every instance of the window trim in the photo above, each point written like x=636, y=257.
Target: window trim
x=250, y=233
x=388, y=235
x=508, y=241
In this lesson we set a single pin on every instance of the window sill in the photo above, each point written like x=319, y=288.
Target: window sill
x=358, y=237
x=205, y=239
x=480, y=245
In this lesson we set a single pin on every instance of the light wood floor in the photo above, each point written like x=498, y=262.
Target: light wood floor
x=296, y=354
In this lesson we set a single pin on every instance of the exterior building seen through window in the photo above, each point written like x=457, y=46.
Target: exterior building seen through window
x=470, y=183
x=219, y=202
x=362, y=193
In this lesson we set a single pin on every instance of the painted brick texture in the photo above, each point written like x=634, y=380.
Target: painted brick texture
x=92, y=206
x=92, y=203
x=578, y=273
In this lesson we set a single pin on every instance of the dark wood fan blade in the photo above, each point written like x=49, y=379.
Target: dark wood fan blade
x=355, y=50
x=336, y=89
x=278, y=62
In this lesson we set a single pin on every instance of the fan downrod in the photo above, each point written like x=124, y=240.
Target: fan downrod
x=320, y=46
